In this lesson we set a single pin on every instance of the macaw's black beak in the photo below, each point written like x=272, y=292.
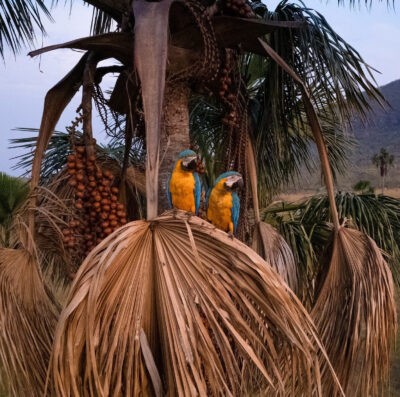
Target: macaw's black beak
x=189, y=163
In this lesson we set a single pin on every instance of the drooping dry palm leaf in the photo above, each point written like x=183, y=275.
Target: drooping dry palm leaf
x=176, y=305
x=355, y=311
x=356, y=314
x=28, y=317
x=270, y=245
x=267, y=241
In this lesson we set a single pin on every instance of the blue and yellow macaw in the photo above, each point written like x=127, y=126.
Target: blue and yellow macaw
x=223, y=204
x=183, y=186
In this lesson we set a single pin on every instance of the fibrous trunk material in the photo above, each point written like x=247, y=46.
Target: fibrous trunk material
x=175, y=135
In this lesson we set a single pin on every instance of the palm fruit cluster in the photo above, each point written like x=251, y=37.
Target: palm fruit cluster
x=239, y=8
x=227, y=96
x=200, y=169
x=96, y=201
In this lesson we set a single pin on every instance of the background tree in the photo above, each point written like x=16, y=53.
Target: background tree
x=383, y=161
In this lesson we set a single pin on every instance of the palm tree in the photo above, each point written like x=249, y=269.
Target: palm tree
x=383, y=161
x=189, y=309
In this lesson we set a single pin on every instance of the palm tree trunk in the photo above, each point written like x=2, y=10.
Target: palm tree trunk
x=175, y=135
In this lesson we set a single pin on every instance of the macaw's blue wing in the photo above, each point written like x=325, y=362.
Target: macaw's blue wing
x=235, y=210
x=208, y=195
x=169, y=193
x=197, y=191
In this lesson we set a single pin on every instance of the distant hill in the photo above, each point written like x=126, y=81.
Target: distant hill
x=381, y=130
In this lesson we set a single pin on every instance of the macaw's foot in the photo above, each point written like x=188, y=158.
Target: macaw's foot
x=230, y=234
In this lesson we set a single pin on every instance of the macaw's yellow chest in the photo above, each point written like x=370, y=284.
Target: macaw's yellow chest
x=181, y=187
x=219, y=211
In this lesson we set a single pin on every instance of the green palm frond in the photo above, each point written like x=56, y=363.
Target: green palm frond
x=366, y=2
x=13, y=192
x=305, y=227
x=60, y=147
x=18, y=21
x=334, y=72
x=101, y=22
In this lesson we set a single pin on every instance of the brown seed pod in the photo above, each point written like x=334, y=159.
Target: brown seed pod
x=91, y=178
x=104, y=193
x=93, y=214
x=80, y=165
x=80, y=177
x=80, y=194
x=72, y=182
x=66, y=232
x=71, y=171
x=97, y=198
x=71, y=164
x=105, y=224
x=121, y=214
x=70, y=244
x=113, y=206
x=221, y=93
x=101, y=188
x=114, y=190
x=114, y=197
x=108, y=174
x=80, y=149
x=88, y=236
x=96, y=204
x=105, y=182
x=99, y=175
x=104, y=215
x=98, y=209
x=123, y=221
x=92, y=158
x=120, y=206
x=78, y=205
x=90, y=167
x=112, y=217
x=107, y=230
x=106, y=208
x=80, y=187
x=71, y=157
x=92, y=184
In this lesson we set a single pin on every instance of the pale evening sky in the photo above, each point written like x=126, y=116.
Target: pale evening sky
x=24, y=81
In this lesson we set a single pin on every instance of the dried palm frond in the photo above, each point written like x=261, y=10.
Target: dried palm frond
x=356, y=314
x=271, y=246
x=355, y=311
x=28, y=317
x=176, y=305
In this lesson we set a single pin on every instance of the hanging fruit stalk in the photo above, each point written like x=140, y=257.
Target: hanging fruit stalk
x=96, y=199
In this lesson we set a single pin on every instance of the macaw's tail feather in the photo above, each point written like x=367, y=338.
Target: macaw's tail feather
x=28, y=317
x=355, y=314
x=271, y=246
x=176, y=306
